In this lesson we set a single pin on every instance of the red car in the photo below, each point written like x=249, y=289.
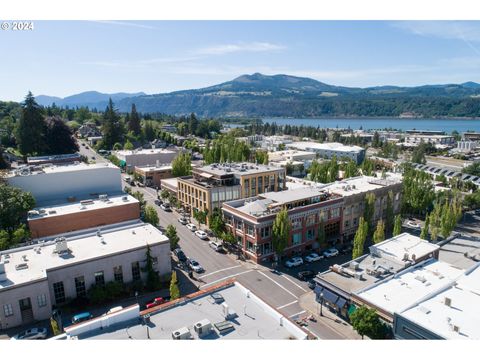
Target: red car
x=155, y=302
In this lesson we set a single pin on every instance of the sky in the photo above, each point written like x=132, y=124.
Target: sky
x=61, y=58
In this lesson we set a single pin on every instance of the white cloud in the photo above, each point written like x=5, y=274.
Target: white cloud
x=460, y=30
x=240, y=47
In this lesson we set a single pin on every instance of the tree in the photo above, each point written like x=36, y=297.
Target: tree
x=397, y=227
x=128, y=145
x=151, y=215
x=281, y=232
x=171, y=233
x=369, y=210
x=134, y=122
x=321, y=238
x=390, y=216
x=359, y=239
x=366, y=322
x=216, y=223
x=30, y=133
x=59, y=137
x=418, y=153
x=3, y=163
x=149, y=131
x=424, y=233
x=153, y=279
x=473, y=169
x=174, y=290
x=182, y=165
x=200, y=216
x=379, y=234
x=112, y=127
x=14, y=206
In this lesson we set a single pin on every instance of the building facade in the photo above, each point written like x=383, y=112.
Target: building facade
x=145, y=157
x=152, y=175
x=210, y=186
x=329, y=150
x=35, y=278
x=251, y=220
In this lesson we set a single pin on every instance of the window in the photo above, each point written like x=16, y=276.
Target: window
x=8, y=310
x=265, y=232
x=250, y=246
x=118, y=274
x=99, y=278
x=310, y=234
x=249, y=230
x=297, y=223
x=59, y=292
x=297, y=238
x=238, y=225
x=310, y=220
x=42, y=300
x=80, y=286
x=136, y=271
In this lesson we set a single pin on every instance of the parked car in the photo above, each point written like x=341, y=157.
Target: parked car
x=306, y=275
x=201, y=234
x=81, y=317
x=294, y=262
x=180, y=255
x=346, y=249
x=330, y=253
x=312, y=257
x=183, y=221
x=155, y=302
x=31, y=334
x=165, y=207
x=192, y=227
x=195, y=266
x=311, y=284
x=158, y=202
x=216, y=246
x=114, y=309
x=413, y=224
x=140, y=184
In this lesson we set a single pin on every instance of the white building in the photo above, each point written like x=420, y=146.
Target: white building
x=67, y=182
x=145, y=157
x=56, y=270
x=440, y=141
x=466, y=146
x=328, y=150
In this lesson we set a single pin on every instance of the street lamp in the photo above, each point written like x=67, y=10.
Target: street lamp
x=321, y=304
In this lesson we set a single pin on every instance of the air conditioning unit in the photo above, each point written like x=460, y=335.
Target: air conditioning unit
x=181, y=334
x=61, y=245
x=448, y=301
x=125, y=198
x=203, y=327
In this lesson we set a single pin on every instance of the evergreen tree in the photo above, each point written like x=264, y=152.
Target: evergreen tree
x=174, y=290
x=31, y=128
x=149, y=131
x=424, y=233
x=59, y=137
x=379, y=234
x=153, y=279
x=390, y=216
x=281, y=232
x=112, y=127
x=397, y=228
x=369, y=210
x=134, y=121
x=359, y=239
x=171, y=233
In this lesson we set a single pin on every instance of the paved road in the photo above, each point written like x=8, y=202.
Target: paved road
x=86, y=150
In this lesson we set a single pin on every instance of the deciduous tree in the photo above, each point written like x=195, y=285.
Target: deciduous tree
x=281, y=232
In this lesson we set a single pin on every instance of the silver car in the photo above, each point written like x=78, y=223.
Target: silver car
x=31, y=334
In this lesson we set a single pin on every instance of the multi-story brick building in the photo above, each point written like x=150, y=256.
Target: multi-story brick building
x=251, y=220
x=210, y=186
x=152, y=175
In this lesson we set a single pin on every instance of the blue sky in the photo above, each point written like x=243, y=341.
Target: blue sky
x=61, y=58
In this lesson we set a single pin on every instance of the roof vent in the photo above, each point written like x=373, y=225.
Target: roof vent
x=99, y=233
x=448, y=301
x=125, y=198
x=21, y=266
x=181, y=334
x=103, y=197
x=60, y=245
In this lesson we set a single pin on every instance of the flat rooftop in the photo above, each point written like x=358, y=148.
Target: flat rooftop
x=60, y=168
x=59, y=157
x=361, y=184
x=462, y=252
x=288, y=154
x=411, y=285
x=153, y=168
x=61, y=209
x=237, y=169
x=332, y=146
x=143, y=152
x=82, y=245
x=254, y=319
x=462, y=313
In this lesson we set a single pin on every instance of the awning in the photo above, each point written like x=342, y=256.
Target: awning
x=351, y=309
x=341, y=302
x=327, y=295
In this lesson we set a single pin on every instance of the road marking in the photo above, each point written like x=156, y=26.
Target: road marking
x=294, y=283
x=299, y=313
x=284, y=306
x=233, y=267
x=279, y=285
x=226, y=277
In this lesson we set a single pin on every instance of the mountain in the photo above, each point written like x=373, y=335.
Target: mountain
x=91, y=99
x=259, y=95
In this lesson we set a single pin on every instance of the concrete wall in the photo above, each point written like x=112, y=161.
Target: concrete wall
x=40, y=227
x=47, y=187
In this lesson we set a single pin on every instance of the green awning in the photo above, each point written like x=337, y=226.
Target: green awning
x=123, y=163
x=351, y=309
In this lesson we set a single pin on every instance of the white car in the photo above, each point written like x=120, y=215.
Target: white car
x=313, y=257
x=195, y=266
x=413, y=224
x=330, y=252
x=293, y=262
x=192, y=227
x=216, y=246
x=183, y=221
x=201, y=234
x=31, y=334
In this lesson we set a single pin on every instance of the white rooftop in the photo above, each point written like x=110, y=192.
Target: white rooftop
x=143, y=152
x=411, y=285
x=462, y=313
x=83, y=245
x=333, y=146
x=360, y=184
x=154, y=168
x=59, y=168
x=398, y=247
x=289, y=154
x=80, y=206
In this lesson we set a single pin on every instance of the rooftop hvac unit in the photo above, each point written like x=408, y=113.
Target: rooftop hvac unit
x=61, y=245
x=42, y=211
x=354, y=265
x=32, y=213
x=181, y=334
x=227, y=312
x=358, y=276
x=448, y=301
x=203, y=328
x=21, y=266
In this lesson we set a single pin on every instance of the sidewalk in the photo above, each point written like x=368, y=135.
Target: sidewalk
x=329, y=326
